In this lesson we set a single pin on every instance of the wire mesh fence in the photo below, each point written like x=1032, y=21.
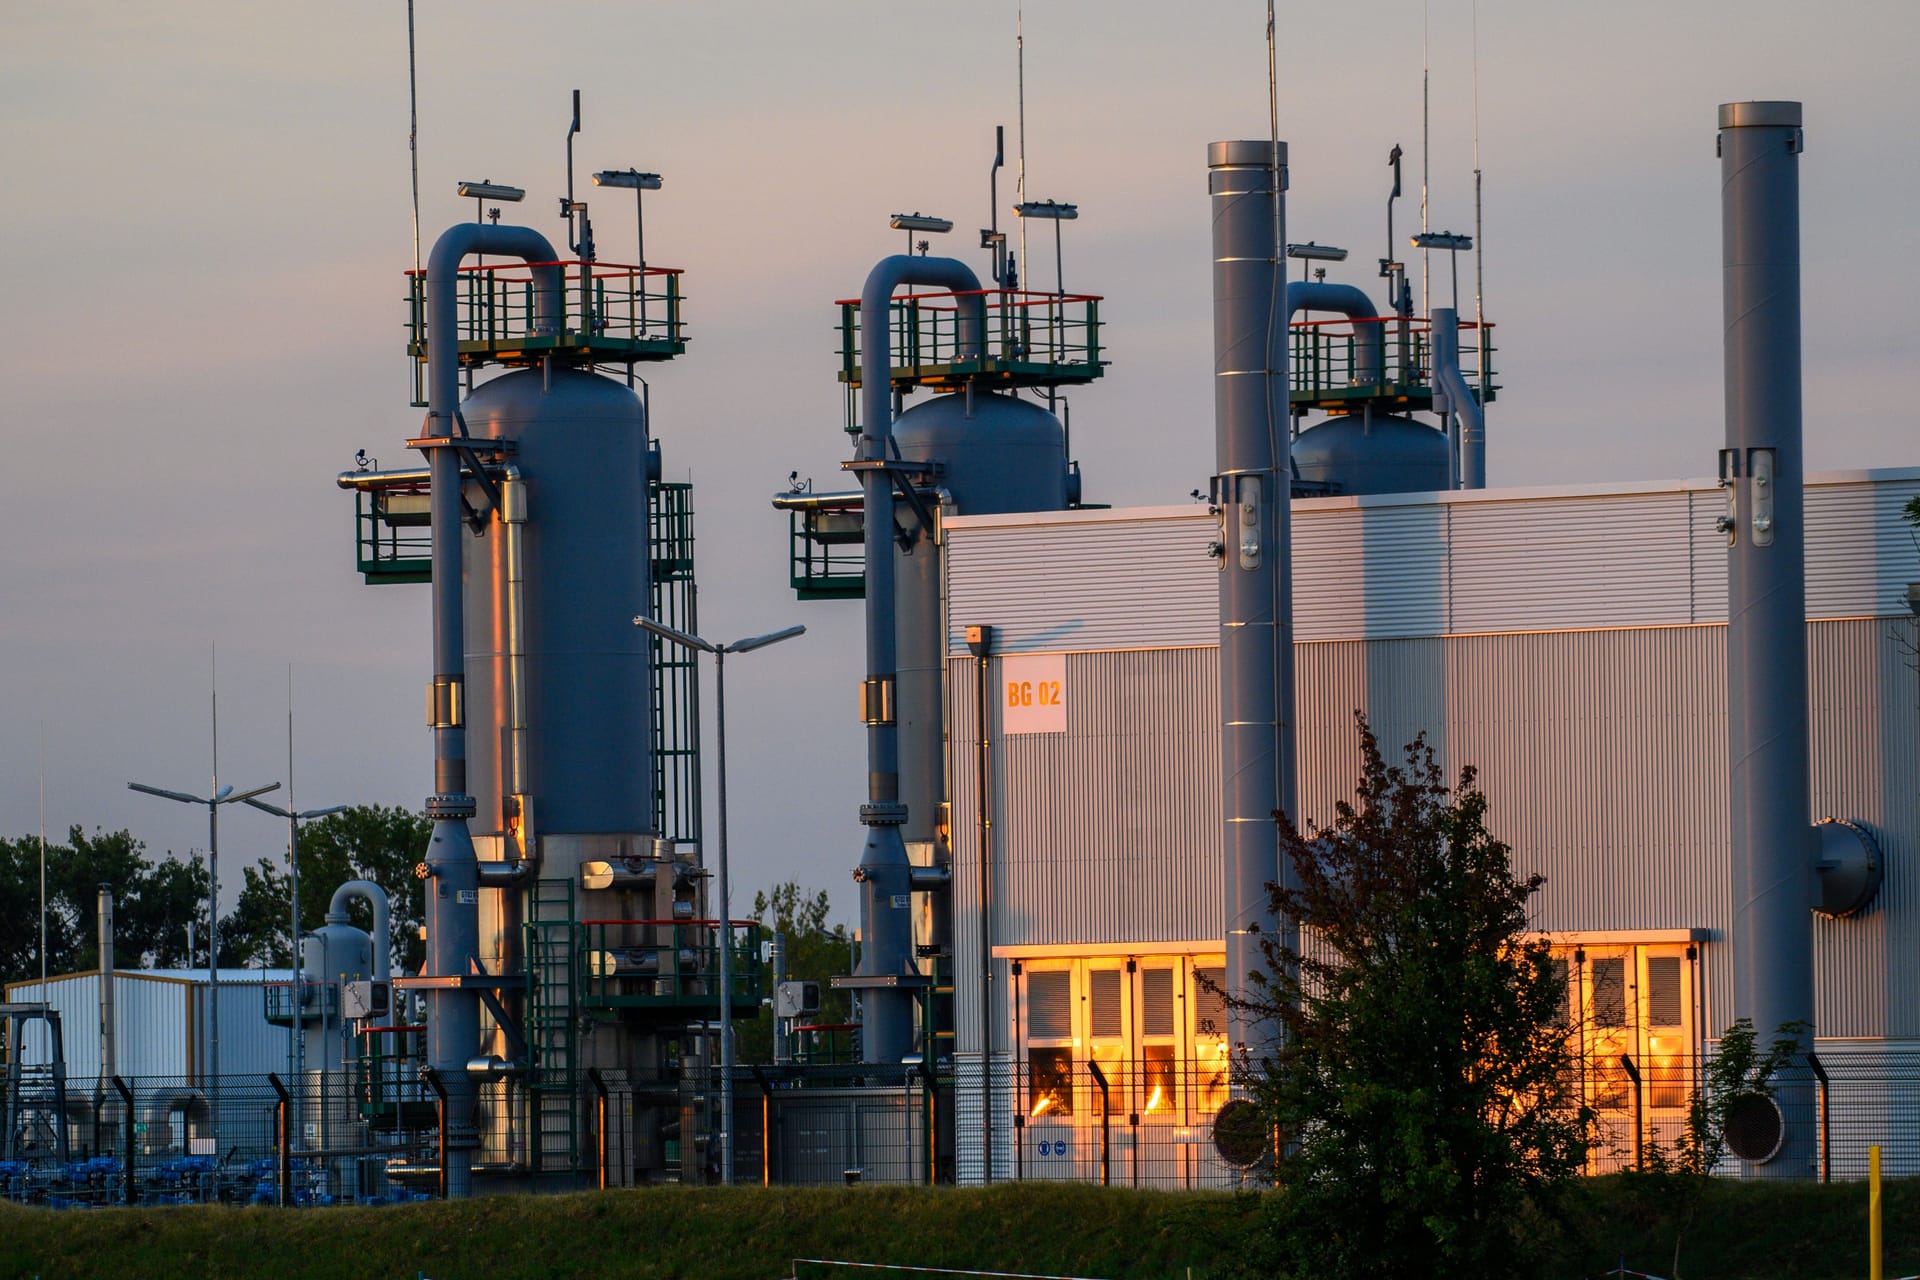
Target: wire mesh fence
x=354, y=1137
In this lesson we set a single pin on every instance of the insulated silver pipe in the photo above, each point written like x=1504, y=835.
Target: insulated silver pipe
x=1466, y=423
x=108, y=1060
x=1253, y=493
x=453, y=918
x=1771, y=820
x=884, y=874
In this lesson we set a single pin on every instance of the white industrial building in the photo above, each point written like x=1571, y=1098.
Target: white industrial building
x=1568, y=643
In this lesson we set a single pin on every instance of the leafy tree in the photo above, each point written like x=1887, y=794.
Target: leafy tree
x=367, y=842
x=153, y=904
x=816, y=952
x=1676, y=1175
x=1424, y=1082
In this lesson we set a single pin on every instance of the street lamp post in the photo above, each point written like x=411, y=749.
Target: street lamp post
x=687, y=640
x=298, y=1027
x=221, y=795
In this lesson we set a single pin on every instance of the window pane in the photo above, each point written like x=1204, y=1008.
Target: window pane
x=1157, y=1083
x=1610, y=992
x=1663, y=991
x=1156, y=1000
x=1103, y=992
x=1210, y=1002
x=1050, y=1005
x=1050, y=1082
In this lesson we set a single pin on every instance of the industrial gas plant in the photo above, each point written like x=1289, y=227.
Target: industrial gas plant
x=1079, y=722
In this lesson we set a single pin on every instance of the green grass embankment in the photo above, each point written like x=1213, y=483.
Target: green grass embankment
x=1742, y=1230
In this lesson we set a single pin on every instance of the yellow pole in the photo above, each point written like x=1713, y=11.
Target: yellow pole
x=1873, y=1213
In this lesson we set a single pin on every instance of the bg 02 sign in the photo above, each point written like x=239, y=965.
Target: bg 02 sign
x=1033, y=693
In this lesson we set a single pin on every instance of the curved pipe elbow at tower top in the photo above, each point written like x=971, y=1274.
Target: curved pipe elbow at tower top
x=376, y=897
x=1351, y=301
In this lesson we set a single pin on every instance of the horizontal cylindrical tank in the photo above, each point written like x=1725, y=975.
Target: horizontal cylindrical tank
x=581, y=449
x=1372, y=453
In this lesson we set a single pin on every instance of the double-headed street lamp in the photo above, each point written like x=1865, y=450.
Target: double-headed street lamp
x=221, y=795
x=294, y=818
x=687, y=640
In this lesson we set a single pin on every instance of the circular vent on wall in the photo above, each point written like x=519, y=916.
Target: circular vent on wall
x=1240, y=1134
x=1755, y=1128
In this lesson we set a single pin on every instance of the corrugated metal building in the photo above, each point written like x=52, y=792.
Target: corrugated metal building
x=1568, y=643
x=161, y=1023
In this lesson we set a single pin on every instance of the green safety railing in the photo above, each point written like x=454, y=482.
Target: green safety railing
x=319, y=1001
x=386, y=1075
x=669, y=964
x=1330, y=363
x=392, y=534
x=1030, y=339
x=609, y=313
x=826, y=549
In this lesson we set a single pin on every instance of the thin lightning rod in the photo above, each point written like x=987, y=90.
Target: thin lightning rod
x=1020, y=56
x=1426, y=134
x=1479, y=240
x=413, y=136
x=43, y=859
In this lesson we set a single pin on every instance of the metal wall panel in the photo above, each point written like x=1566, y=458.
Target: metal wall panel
x=1420, y=565
x=1562, y=563
x=1084, y=580
x=1860, y=553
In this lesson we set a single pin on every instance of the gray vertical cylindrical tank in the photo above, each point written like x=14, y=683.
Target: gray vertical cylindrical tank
x=1361, y=453
x=581, y=446
x=1253, y=491
x=998, y=453
x=1771, y=821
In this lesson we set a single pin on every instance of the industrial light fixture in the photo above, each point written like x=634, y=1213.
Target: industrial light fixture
x=627, y=180
x=1449, y=242
x=687, y=640
x=920, y=222
x=1316, y=252
x=488, y=190
x=1057, y=210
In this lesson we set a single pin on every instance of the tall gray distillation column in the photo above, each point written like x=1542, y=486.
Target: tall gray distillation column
x=453, y=872
x=1253, y=492
x=1773, y=842
x=884, y=873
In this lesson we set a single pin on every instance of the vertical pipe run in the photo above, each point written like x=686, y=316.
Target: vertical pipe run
x=884, y=875
x=453, y=898
x=108, y=1063
x=1771, y=821
x=1253, y=492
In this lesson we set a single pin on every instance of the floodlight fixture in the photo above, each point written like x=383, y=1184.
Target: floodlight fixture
x=1313, y=252
x=1447, y=240
x=627, y=180
x=684, y=639
x=489, y=190
x=1056, y=210
x=917, y=221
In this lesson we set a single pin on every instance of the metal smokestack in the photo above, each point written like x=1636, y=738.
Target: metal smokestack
x=1253, y=492
x=1773, y=843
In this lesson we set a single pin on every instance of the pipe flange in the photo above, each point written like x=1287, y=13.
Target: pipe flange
x=1849, y=865
x=883, y=815
x=451, y=806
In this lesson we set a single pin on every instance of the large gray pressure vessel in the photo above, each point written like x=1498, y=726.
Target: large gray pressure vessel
x=1372, y=453
x=582, y=451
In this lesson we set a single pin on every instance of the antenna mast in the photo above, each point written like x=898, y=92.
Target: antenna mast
x=1479, y=241
x=1426, y=136
x=1020, y=60
x=413, y=137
